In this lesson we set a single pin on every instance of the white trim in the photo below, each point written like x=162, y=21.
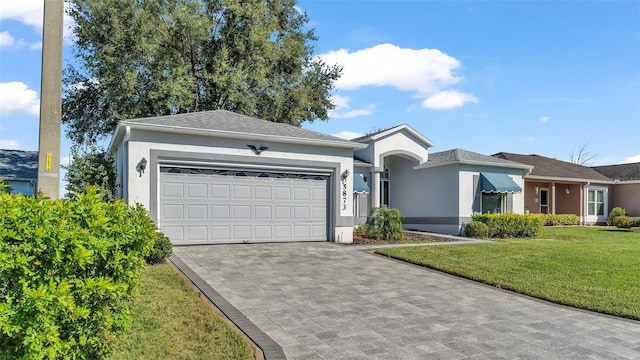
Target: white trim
x=244, y=167
x=562, y=179
x=540, y=201
x=395, y=129
x=605, y=202
x=471, y=162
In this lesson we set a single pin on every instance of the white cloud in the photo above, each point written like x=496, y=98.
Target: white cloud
x=448, y=99
x=31, y=13
x=631, y=159
x=17, y=98
x=343, y=109
x=544, y=119
x=66, y=160
x=424, y=72
x=9, y=144
x=6, y=40
x=348, y=135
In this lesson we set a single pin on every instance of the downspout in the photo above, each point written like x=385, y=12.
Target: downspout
x=125, y=171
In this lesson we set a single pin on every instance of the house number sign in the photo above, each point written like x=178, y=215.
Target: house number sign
x=344, y=194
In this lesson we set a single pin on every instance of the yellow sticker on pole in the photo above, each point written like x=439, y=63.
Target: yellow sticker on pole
x=48, y=163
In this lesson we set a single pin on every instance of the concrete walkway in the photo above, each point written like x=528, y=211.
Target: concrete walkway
x=327, y=301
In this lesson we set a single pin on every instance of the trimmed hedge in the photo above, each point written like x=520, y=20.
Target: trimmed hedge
x=68, y=272
x=476, y=229
x=615, y=212
x=623, y=221
x=560, y=219
x=511, y=225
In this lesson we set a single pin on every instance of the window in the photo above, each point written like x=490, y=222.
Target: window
x=492, y=203
x=360, y=205
x=384, y=187
x=596, y=203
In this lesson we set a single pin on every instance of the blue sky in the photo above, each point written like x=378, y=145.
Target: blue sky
x=526, y=77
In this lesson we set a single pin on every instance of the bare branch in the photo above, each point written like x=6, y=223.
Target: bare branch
x=582, y=155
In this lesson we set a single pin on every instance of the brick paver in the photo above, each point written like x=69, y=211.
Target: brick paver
x=328, y=301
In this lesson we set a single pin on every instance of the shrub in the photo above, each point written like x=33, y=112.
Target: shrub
x=636, y=222
x=511, y=225
x=623, y=221
x=615, y=212
x=68, y=272
x=476, y=229
x=4, y=187
x=385, y=224
x=161, y=249
x=560, y=219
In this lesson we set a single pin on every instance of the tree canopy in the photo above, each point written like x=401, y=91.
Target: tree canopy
x=139, y=58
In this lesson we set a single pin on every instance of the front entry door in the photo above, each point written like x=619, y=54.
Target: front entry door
x=544, y=201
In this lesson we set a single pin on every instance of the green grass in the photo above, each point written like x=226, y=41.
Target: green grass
x=172, y=322
x=586, y=267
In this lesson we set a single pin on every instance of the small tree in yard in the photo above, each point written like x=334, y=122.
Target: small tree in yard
x=90, y=166
x=385, y=224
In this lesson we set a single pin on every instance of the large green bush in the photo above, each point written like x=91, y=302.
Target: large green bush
x=615, y=212
x=560, y=219
x=68, y=271
x=623, y=221
x=476, y=229
x=511, y=225
x=385, y=224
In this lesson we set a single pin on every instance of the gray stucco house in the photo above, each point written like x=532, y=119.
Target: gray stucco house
x=19, y=169
x=220, y=177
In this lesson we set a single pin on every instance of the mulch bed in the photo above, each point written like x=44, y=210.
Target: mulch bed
x=409, y=238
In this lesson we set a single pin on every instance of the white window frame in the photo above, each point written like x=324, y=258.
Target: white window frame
x=503, y=202
x=595, y=218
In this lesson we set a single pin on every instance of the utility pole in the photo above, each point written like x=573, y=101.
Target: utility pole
x=50, y=100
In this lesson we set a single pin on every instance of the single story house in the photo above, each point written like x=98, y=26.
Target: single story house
x=221, y=177
x=626, y=187
x=19, y=170
x=560, y=187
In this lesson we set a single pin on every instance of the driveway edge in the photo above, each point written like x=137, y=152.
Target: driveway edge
x=270, y=349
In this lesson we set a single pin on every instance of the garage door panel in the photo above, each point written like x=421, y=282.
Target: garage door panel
x=262, y=212
x=197, y=211
x=202, y=206
x=301, y=213
x=219, y=191
x=197, y=191
x=173, y=189
x=220, y=212
x=173, y=212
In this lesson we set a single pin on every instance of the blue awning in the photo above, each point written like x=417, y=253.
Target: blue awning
x=498, y=183
x=359, y=185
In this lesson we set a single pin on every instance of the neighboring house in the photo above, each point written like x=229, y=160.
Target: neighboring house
x=438, y=191
x=19, y=169
x=560, y=187
x=626, y=188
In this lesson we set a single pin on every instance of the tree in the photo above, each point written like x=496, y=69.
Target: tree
x=138, y=58
x=90, y=166
x=582, y=155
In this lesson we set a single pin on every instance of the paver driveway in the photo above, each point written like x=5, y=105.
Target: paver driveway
x=327, y=301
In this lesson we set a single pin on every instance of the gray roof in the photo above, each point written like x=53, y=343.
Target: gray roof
x=622, y=172
x=372, y=134
x=227, y=121
x=464, y=156
x=18, y=164
x=553, y=168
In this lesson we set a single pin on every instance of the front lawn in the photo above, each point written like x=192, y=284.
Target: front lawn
x=592, y=268
x=170, y=321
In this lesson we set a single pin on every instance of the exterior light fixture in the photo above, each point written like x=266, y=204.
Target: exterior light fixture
x=537, y=190
x=345, y=174
x=142, y=166
x=567, y=190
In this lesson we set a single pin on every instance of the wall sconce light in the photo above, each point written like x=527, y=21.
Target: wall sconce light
x=345, y=174
x=142, y=166
x=567, y=190
x=537, y=190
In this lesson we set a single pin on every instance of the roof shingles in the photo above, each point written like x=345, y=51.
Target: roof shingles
x=227, y=121
x=553, y=168
x=18, y=164
x=622, y=172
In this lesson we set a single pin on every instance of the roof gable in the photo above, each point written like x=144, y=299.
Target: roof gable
x=223, y=122
x=622, y=172
x=18, y=164
x=460, y=156
x=387, y=132
x=545, y=167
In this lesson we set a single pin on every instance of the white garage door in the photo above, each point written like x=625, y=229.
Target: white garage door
x=203, y=206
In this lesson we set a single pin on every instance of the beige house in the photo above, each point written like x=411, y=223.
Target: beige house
x=626, y=188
